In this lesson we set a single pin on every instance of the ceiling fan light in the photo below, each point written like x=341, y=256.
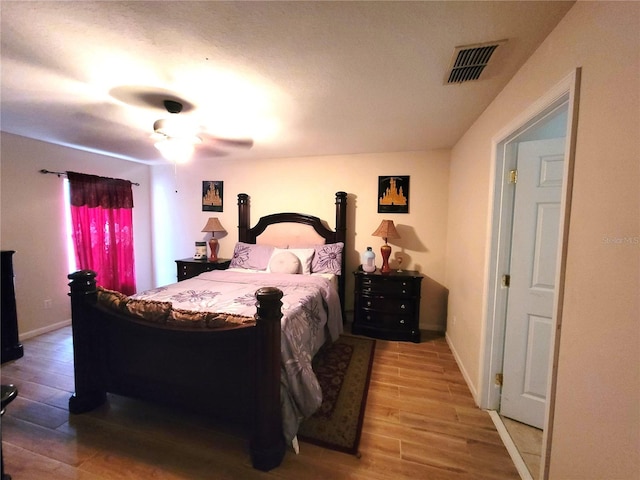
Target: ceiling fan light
x=177, y=150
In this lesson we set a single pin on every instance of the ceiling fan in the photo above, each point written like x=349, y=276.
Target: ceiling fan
x=177, y=136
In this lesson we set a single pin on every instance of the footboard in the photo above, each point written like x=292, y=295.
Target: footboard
x=228, y=373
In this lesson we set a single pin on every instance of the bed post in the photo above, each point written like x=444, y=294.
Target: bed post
x=341, y=216
x=89, y=391
x=243, y=217
x=267, y=445
x=341, y=236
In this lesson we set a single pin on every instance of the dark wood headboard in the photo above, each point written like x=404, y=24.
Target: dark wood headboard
x=248, y=234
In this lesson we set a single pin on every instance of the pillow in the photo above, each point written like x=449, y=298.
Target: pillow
x=328, y=258
x=285, y=262
x=305, y=255
x=248, y=255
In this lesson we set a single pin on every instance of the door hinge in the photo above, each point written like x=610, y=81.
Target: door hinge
x=506, y=280
x=513, y=176
x=499, y=379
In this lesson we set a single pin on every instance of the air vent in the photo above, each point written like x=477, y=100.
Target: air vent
x=468, y=62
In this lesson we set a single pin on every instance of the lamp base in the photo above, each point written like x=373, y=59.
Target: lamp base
x=213, y=245
x=385, y=250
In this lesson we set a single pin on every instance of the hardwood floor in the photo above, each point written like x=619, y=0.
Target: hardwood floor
x=420, y=422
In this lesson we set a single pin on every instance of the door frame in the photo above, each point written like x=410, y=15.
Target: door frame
x=496, y=262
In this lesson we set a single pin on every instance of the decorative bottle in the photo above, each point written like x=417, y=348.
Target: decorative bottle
x=369, y=261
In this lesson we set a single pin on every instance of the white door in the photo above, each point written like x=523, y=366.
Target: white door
x=531, y=294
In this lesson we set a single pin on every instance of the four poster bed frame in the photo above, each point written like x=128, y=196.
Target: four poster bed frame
x=230, y=373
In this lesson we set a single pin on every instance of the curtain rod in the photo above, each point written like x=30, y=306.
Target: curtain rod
x=59, y=174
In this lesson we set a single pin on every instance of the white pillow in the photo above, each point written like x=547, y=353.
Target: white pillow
x=305, y=255
x=284, y=262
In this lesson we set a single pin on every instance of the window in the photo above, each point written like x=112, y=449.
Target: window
x=101, y=219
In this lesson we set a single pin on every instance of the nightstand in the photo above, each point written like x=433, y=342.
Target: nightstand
x=188, y=267
x=387, y=306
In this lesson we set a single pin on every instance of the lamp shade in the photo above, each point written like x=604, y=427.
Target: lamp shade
x=213, y=225
x=386, y=230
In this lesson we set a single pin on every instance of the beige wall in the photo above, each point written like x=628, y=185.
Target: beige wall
x=596, y=428
x=308, y=185
x=33, y=224
x=596, y=432
x=33, y=219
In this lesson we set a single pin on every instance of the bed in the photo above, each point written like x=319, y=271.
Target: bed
x=235, y=345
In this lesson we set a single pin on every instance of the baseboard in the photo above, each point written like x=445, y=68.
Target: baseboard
x=432, y=327
x=514, y=453
x=47, y=329
x=523, y=471
x=465, y=375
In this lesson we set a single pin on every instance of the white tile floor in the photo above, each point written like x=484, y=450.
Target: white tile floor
x=529, y=442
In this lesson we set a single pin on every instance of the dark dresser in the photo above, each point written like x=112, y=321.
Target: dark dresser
x=11, y=347
x=387, y=306
x=188, y=267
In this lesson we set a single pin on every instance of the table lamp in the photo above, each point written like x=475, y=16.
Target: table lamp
x=386, y=230
x=213, y=225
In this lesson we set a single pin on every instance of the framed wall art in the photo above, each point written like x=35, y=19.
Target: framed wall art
x=393, y=194
x=212, y=196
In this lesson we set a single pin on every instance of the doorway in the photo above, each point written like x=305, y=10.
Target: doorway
x=535, y=221
x=552, y=117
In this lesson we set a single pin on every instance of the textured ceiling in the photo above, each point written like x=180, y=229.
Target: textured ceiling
x=300, y=78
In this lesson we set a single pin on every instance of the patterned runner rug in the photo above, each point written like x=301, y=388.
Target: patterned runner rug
x=343, y=370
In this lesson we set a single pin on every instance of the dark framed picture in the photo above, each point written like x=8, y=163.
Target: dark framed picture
x=393, y=194
x=212, y=196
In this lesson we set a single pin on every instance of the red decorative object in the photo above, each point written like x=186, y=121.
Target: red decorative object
x=385, y=250
x=386, y=230
x=213, y=225
x=213, y=245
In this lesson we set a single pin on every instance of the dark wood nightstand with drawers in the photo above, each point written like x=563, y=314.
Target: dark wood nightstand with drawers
x=387, y=305
x=188, y=267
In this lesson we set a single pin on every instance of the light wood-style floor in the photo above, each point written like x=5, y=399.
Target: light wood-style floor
x=420, y=423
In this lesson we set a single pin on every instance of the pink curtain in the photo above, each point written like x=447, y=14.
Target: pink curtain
x=102, y=224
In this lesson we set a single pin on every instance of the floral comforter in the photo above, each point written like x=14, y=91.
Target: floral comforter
x=311, y=315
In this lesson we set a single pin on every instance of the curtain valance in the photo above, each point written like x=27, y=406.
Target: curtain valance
x=94, y=191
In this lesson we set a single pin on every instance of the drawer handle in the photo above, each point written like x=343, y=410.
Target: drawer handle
x=368, y=303
x=403, y=306
x=402, y=321
x=404, y=292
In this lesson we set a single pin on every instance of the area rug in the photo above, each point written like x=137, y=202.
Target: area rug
x=343, y=369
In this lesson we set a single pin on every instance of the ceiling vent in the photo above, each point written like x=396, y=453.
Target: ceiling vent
x=468, y=62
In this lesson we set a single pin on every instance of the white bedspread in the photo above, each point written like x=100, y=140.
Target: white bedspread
x=311, y=314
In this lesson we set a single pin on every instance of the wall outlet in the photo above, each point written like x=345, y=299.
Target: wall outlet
x=47, y=304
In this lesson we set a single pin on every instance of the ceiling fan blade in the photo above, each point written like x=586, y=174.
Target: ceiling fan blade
x=207, y=151
x=230, y=142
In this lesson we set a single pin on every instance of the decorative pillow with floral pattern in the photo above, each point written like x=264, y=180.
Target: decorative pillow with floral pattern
x=328, y=258
x=250, y=256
